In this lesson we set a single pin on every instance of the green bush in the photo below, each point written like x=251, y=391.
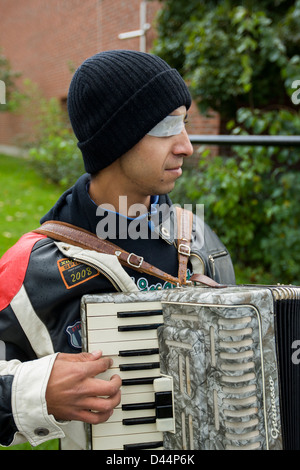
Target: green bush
x=54, y=152
x=58, y=158
x=51, y=144
x=251, y=198
x=232, y=54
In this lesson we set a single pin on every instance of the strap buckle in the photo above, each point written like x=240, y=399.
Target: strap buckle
x=139, y=259
x=184, y=249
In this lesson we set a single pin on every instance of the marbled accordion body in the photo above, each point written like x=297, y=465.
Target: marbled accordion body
x=202, y=368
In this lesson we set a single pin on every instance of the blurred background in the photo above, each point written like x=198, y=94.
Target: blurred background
x=241, y=61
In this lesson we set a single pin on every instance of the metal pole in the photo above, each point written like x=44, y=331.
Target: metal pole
x=264, y=140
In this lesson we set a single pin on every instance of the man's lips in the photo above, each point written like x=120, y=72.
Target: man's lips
x=175, y=166
x=176, y=170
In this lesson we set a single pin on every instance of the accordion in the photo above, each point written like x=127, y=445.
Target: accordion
x=201, y=368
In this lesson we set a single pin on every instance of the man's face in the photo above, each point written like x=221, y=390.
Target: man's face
x=153, y=165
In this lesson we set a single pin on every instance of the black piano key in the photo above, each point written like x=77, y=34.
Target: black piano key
x=143, y=313
x=137, y=421
x=163, y=398
x=143, y=445
x=148, y=326
x=163, y=404
x=139, y=366
x=138, y=406
x=164, y=412
x=138, y=352
x=139, y=381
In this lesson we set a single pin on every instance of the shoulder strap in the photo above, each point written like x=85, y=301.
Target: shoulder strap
x=71, y=234
x=184, y=238
x=68, y=233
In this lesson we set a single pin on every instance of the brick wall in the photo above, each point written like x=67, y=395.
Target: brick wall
x=45, y=40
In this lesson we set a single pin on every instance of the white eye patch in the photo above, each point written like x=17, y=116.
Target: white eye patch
x=170, y=125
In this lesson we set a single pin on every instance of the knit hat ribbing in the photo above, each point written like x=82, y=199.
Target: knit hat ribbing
x=116, y=97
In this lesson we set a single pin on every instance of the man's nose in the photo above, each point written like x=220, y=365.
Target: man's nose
x=183, y=145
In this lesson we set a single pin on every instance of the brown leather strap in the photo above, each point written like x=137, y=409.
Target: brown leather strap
x=205, y=280
x=184, y=234
x=74, y=235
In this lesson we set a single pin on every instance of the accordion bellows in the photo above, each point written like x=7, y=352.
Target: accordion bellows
x=229, y=352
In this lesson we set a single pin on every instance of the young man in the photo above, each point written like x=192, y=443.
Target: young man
x=127, y=110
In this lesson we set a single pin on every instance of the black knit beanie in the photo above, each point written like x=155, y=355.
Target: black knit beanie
x=116, y=97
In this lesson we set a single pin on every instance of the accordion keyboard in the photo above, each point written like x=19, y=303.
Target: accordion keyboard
x=129, y=336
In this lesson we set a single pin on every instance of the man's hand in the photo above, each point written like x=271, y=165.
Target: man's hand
x=74, y=393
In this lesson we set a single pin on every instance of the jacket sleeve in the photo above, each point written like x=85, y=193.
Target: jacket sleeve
x=24, y=416
x=24, y=367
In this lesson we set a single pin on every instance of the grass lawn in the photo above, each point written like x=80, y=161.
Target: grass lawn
x=24, y=198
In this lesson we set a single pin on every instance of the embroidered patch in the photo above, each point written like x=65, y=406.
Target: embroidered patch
x=74, y=332
x=74, y=273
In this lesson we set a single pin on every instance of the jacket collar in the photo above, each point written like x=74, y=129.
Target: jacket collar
x=77, y=208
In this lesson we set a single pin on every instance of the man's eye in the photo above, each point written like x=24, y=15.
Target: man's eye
x=186, y=119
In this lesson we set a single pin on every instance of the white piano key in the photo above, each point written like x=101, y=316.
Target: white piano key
x=163, y=384
x=137, y=398
x=118, y=429
x=130, y=389
x=113, y=348
x=113, y=335
x=118, y=360
x=119, y=414
x=117, y=442
x=131, y=374
x=111, y=322
x=97, y=309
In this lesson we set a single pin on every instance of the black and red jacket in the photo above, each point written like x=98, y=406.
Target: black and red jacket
x=40, y=292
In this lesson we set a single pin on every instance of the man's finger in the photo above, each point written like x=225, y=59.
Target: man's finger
x=80, y=357
x=96, y=387
x=96, y=367
x=91, y=417
x=101, y=404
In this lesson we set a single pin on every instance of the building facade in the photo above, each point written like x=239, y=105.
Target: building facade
x=46, y=40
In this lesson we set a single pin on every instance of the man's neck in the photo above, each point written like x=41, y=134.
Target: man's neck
x=105, y=191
